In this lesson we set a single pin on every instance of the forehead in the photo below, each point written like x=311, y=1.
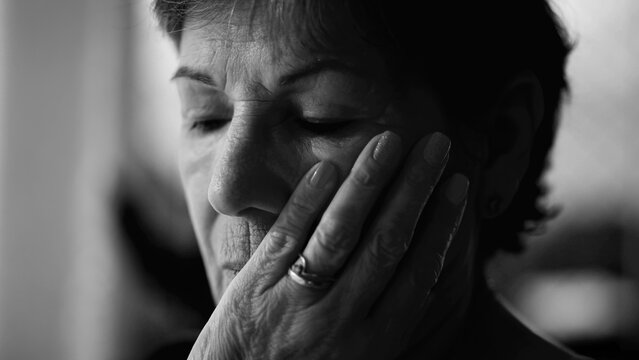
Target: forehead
x=314, y=22
x=251, y=38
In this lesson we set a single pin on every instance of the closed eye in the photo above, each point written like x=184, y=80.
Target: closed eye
x=207, y=125
x=324, y=126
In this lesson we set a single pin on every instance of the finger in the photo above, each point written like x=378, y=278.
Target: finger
x=392, y=230
x=338, y=231
x=288, y=235
x=421, y=267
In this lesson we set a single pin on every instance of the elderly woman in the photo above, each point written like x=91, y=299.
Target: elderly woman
x=349, y=166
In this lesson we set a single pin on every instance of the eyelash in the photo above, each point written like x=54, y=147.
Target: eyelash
x=322, y=126
x=205, y=126
x=316, y=126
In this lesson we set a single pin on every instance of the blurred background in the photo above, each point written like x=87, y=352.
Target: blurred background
x=95, y=243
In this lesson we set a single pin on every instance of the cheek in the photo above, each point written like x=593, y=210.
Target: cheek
x=415, y=116
x=344, y=152
x=410, y=127
x=195, y=167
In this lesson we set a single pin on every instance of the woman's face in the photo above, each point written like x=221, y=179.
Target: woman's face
x=255, y=120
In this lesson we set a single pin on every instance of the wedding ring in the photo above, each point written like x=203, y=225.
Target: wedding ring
x=297, y=272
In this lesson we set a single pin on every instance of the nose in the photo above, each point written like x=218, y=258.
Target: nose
x=247, y=173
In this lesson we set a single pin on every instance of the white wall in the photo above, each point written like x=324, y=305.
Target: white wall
x=2, y=152
x=41, y=121
x=60, y=105
x=597, y=140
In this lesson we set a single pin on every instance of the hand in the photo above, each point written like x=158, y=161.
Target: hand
x=361, y=239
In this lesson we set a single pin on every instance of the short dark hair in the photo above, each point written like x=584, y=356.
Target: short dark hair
x=476, y=47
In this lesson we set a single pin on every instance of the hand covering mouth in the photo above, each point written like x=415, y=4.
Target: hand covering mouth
x=236, y=239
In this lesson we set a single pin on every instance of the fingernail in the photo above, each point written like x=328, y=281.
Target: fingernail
x=456, y=189
x=437, y=148
x=323, y=174
x=387, y=146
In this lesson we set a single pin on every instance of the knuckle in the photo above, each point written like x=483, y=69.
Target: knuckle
x=289, y=227
x=300, y=210
x=333, y=236
x=365, y=177
x=389, y=246
x=279, y=242
x=302, y=205
x=416, y=174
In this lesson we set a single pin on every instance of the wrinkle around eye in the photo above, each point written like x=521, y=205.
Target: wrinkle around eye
x=208, y=125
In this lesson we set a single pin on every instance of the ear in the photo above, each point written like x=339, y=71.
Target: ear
x=513, y=123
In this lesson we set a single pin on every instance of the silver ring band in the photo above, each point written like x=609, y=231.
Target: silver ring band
x=297, y=273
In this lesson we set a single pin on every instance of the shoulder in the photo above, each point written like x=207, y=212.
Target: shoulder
x=496, y=332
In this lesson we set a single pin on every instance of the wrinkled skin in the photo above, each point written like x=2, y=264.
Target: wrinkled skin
x=380, y=224
x=264, y=314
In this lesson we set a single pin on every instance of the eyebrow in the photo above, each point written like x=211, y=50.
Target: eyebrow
x=189, y=73
x=319, y=66
x=296, y=75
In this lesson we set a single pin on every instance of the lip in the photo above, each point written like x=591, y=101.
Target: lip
x=233, y=256
x=230, y=272
x=234, y=240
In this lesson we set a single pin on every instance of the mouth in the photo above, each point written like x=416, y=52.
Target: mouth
x=233, y=266
x=230, y=272
x=235, y=240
